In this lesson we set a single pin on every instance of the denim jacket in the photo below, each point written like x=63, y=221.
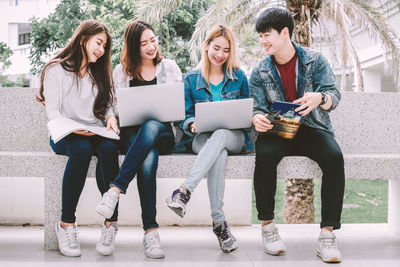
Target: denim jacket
x=196, y=90
x=313, y=74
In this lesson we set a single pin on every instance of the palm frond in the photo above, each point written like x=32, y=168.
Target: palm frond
x=372, y=21
x=227, y=12
x=154, y=10
x=347, y=50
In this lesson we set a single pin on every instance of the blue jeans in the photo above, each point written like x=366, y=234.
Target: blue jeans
x=79, y=150
x=142, y=145
x=212, y=149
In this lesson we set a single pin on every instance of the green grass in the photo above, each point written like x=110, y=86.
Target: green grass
x=364, y=202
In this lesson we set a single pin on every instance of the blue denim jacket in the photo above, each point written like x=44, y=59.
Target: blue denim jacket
x=196, y=90
x=313, y=74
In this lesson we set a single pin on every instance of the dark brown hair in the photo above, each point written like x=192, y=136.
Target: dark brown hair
x=131, y=59
x=71, y=58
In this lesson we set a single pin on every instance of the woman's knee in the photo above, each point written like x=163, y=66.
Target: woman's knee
x=108, y=148
x=80, y=148
x=221, y=133
x=150, y=163
x=152, y=127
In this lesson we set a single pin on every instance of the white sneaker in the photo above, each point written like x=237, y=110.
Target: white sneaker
x=107, y=204
x=226, y=240
x=152, y=245
x=273, y=244
x=178, y=200
x=68, y=240
x=327, y=248
x=105, y=245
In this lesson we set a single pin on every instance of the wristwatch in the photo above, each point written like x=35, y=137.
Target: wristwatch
x=324, y=98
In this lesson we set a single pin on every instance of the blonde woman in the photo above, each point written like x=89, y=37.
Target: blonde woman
x=217, y=78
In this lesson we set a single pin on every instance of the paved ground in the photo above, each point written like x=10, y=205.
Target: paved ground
x=362, y=245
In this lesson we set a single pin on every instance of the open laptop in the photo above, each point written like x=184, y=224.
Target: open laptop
x=162, y=102
x=229, y=114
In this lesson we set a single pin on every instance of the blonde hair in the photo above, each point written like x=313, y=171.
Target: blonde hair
x=231, y=64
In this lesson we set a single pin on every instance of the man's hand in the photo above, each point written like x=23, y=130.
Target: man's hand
x=309, y=101
x=112, y=123
x=261, y=123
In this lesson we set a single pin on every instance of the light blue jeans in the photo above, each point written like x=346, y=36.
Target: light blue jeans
x=212, y=149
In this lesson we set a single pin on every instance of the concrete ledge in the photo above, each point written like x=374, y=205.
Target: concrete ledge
x=239, y=173
x=362, y=123
x=357, y=166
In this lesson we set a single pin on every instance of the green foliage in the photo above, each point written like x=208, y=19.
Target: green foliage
x=51, y=34
x=5, y=54
x=116, y=14
x=7, y=83
x=177, y=28
x=364, y=202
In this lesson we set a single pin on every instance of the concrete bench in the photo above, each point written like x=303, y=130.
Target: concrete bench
x=367, y=129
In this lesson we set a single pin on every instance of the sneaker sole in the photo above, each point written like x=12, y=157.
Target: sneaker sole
x=108, y=253
x=277, y=253
x=229, y=251
x=331, y=260
x=61, y=251
x=179, y=211
x=155, y=257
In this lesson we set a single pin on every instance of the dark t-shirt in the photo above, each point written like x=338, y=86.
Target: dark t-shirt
x=288, y=78
x=136, y=82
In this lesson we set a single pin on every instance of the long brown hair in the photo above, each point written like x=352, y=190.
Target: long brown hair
x=231, y=64
x=131, y=59
x=71, y=58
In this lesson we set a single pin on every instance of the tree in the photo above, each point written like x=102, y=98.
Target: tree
x=317, y=21
x=5, y=54
x=174, y=23
x=174, y=26
x=116, y=15
x=51, y=34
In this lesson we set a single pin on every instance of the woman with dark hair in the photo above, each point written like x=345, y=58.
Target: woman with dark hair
x=77, y=84
x=142, y=64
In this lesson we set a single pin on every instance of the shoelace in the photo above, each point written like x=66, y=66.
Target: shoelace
x=273, y=235
x=153, y=242
x=72, y=237
x=224, y=234
x=328, y=242
x=108, y=236
x=182, y=197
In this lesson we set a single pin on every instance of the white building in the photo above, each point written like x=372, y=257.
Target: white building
x=15, y=30
x=371, y=54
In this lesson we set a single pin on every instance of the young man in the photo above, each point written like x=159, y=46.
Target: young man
x=295, y=74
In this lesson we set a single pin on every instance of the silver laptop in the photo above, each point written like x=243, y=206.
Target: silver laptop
x=162, y=102
x=229, y=114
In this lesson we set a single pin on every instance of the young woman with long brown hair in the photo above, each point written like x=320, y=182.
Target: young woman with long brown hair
x=77, y=84
x=142, y=64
